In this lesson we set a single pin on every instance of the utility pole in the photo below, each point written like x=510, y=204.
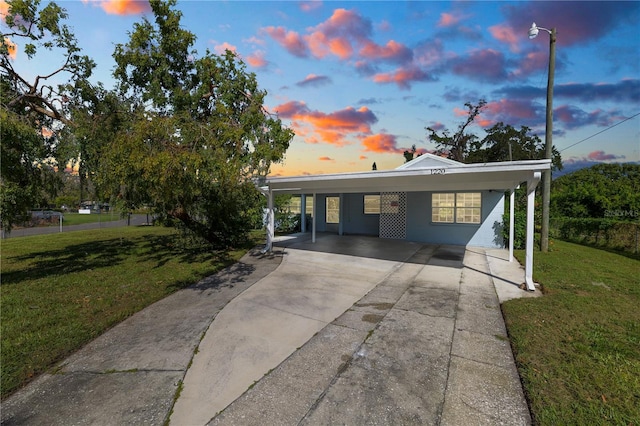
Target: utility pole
x=546, y=181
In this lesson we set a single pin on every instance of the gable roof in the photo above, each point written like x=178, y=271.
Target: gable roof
x=428, y=161
x=453, y=177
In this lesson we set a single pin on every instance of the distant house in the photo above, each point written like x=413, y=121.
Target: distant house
x=430, y=200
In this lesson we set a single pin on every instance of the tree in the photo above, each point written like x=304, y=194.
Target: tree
x=98, y=115
x=198, y=133
x=504, y=143
x=601, y=191
x=456, y=146
x=32, y=112
x=408, y=154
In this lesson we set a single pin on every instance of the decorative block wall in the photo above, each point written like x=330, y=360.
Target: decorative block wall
x=393, y=215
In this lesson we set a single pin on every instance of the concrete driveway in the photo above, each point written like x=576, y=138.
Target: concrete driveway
x=349, y=330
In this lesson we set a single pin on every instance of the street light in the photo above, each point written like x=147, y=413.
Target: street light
x=548, y=143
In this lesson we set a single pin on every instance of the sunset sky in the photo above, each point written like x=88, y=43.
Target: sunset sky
x=359, y=81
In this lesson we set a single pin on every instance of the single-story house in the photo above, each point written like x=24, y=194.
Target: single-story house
x=430, y=200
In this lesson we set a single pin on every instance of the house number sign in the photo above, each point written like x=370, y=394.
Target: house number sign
x=438, y=171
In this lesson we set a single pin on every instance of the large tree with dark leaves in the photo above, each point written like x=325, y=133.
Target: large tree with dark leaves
x=198, y=135
x=33, y=111
x=456, y=146
x=504, y=143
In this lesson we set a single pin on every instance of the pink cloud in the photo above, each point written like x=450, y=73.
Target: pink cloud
x=256, y=59
x=12, y=48
x=429, y=53
x=346, y=23
x=346, y=35
x=363, y=157
x=589, y=20
x=123, y=7
x=531, y=62
x=341, y=47
x=506, y=34
x=507, y=111
x=254, y=40
x=314, y=80
x=4, y=9
x=449, y=19
x=482, y=65
x=348, y=119
x=602, y=156
x=290, y=40
x=332, y=128
x=338, y=34
x=326, y=159
x=220, y=49
x=381, y=143
x=573, y=117
x=384, y=26
x=318, y=44
x=515, y=108
x=392, y=51
x=291, y=108
x=403, y=77
x=308, y=6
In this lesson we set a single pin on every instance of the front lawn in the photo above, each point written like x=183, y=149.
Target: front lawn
x=577, y=348
x=60, y=291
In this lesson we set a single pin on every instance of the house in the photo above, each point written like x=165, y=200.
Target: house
x=430, y=200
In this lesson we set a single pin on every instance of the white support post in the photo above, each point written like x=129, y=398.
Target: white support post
x=270, y=222
x=313, y=222
x=303, y=213
x=341, y=215
x=528, y=267
x=512, y=199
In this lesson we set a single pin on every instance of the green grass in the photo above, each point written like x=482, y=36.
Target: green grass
x=577, y=348
x=60, y=291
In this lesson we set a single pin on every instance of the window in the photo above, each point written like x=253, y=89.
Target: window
x=468, y=207
x=295, y=204
x=309, y=205
x=442, y=207
x=461, y=207
x=333, y=209
x=371, y=204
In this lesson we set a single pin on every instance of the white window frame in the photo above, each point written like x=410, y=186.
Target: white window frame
x=372, y=197
x=456, y=207
x=331, y=212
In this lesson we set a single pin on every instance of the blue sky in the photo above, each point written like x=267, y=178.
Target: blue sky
x=359, y=81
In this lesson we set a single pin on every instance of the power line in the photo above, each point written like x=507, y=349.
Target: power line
x=601, y=131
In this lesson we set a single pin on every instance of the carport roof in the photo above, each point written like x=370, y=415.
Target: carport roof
x=422, y=174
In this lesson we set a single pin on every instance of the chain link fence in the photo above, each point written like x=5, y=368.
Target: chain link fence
x=606, y=233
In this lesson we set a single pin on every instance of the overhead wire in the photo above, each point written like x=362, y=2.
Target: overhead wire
x=600, y=132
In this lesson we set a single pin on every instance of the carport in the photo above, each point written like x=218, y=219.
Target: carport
x=427, y=173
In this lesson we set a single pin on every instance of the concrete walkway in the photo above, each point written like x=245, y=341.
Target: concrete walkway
x=350, y=330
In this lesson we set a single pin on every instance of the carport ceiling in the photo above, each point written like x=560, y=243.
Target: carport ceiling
x=465, y=177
